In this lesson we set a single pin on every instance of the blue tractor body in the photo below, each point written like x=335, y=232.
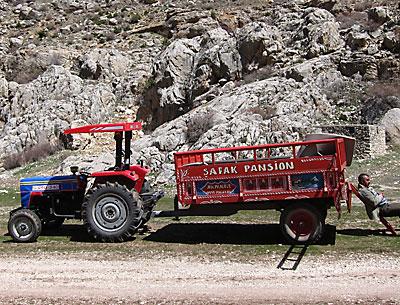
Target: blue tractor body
x=50, y=186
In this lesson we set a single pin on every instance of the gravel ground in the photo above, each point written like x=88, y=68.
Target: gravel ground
x=68, y=279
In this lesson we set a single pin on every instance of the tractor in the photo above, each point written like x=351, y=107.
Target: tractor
x=113, y=203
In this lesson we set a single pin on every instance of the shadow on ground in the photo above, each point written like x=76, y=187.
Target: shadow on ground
x=367, y=232
x=223, y=233
x=196, y=233
x=76, y=232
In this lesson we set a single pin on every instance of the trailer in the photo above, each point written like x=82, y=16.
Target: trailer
x=302, y=180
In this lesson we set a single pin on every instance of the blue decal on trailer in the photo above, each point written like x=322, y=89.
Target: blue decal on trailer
x=307, y=181
x=217, y=187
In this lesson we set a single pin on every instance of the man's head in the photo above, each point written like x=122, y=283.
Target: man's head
x=364, y=179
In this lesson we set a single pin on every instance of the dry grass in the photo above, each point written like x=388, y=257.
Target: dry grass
x=198, y=125
x=384, y=89
x=31, y=154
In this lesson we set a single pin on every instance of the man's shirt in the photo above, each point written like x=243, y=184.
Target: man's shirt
x=372, y=201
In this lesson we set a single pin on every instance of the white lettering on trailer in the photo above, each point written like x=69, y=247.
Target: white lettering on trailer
x=262, y=167
x=276, y=166
x=227, y=170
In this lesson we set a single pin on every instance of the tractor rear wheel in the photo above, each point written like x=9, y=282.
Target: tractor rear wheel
x=302, y=224
x=24, y=226
x=112, y=213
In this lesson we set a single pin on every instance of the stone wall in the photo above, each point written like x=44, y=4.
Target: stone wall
x=370, y=139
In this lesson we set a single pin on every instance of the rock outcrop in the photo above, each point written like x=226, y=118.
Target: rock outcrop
x=268, y=111
x=42, y=109
x=198, y=74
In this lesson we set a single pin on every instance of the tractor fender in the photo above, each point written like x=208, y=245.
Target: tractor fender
x=126, y=177
x=15, y=210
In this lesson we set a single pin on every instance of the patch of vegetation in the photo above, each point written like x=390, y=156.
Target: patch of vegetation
x=135, y=18
x=97, y=20
x=43, y=165
x=266, y=112
x=31, y=154
x=150, y=82
x=149, y=1
x=384, y=89
x=8, y=197
x=117, y=30
x=198, y=125
x=165, y=41
x=42, y=34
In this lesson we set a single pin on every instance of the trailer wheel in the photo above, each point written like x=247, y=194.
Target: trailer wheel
x=112, y=213
x=302, y=224
x=24, y=226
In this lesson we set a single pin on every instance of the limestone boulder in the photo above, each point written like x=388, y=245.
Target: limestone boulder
x=104, y=64
x=43, y=108
x=183, y=23
x=311, y=69
x=165, y=98
x=357, y=40
x=379, y=14
x=87, y=163
x=186, y=69
x=259, y=45
x=391, y=121
x=29, y=63
x=359, y=63
x=218, y=59
x=320, y=32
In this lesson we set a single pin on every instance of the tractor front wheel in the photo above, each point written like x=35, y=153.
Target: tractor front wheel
x=302, y=224
x=112, y=213
x=24, y=226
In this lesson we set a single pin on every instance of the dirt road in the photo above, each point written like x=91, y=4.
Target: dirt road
x=69, y=279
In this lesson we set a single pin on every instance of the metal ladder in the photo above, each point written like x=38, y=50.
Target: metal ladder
x=293, y=255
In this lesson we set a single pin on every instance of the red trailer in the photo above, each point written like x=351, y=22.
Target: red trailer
x=302, y=180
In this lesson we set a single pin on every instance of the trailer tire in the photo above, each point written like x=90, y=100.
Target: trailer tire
x=302, y=224
x=111, y=212
x=24, y=226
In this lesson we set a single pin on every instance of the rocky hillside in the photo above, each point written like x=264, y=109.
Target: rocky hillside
x=198, y=73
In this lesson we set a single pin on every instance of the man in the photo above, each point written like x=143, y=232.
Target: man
x=375, y=203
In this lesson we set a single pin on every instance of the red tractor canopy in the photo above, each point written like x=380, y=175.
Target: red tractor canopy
x=110, y=127
x=119, y=129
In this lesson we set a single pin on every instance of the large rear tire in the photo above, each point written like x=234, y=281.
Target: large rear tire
x=302, y=224
x=24, y=226
x=112, y=213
